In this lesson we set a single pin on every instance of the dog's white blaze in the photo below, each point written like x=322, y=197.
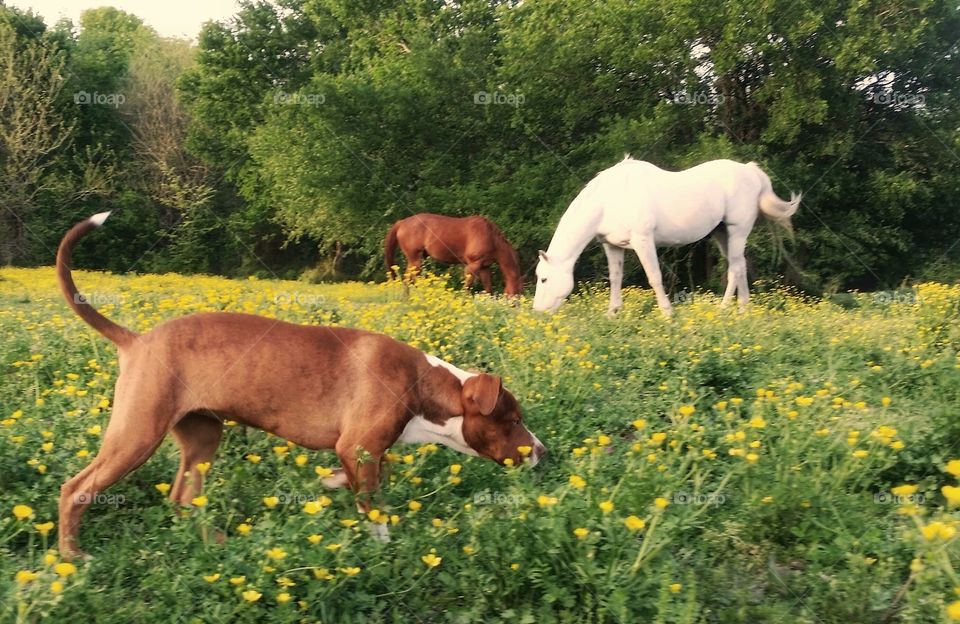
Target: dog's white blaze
x=460, y=374
x=421, y=431
x=99, y=218
x=537, y=445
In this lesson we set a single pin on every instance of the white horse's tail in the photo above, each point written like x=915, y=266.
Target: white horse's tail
x=774, y=208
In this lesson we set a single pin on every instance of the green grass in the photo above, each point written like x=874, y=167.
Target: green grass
x=742, y=423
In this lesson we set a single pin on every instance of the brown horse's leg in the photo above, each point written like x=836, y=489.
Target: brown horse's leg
x=486, y=279
x=414, y=262
x=473, y=270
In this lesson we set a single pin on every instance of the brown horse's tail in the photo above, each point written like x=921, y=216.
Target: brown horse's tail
x=116, y=334
x=390, y=248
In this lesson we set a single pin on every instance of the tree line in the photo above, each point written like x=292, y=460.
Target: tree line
x=284, y=141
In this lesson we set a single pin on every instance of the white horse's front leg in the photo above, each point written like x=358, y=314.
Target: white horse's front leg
x=646, y=249
x=615, y=263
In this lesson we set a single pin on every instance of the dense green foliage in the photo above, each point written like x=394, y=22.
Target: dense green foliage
x=311, y=125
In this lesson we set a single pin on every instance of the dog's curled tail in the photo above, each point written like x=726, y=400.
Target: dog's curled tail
x=116, y=334
x=773, y=208
x=390, y=248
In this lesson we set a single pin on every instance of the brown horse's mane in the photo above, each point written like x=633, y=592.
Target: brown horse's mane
x=500, y=237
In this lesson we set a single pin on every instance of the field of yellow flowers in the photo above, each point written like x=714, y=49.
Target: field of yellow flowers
x=795, y=463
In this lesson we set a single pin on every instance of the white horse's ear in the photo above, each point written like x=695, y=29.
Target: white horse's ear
x=543, y=255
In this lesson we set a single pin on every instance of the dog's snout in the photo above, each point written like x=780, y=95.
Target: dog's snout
x=539, y=450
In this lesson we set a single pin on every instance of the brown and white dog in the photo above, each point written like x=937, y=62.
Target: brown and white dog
x=320, y=387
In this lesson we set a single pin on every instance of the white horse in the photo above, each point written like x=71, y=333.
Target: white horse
x=638, y=205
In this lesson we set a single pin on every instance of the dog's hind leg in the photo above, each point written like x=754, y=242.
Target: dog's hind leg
x=135, y=431
x=198, y=435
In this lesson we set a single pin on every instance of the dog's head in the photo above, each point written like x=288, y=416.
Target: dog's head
x=493, y=425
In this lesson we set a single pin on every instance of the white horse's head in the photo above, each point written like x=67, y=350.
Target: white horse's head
x=554, y=283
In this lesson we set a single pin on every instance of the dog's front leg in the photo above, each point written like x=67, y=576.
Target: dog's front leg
x=361, y=470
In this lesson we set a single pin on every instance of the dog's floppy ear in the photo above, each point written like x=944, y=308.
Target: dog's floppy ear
x=481, y=393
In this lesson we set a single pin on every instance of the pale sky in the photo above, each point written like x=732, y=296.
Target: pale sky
x=170, y=18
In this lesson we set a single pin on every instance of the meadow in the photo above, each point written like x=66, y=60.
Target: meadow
x=798, y=462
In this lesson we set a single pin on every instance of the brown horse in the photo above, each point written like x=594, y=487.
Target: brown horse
x=473, y=241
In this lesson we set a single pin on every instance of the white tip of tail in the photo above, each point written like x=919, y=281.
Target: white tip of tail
x=99, y=218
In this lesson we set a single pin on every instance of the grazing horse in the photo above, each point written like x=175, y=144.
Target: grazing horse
x=638, y=205
x=473, y=241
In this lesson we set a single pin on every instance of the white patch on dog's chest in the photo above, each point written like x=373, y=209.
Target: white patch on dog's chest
x=421, y=431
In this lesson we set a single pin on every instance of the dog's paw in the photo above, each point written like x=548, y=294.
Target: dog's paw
x=77, y=555
x=380, y=532
x=337, y=480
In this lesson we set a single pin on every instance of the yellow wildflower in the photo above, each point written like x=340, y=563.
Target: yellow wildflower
x=431, y=560
x=22, y=512
x=634, y=523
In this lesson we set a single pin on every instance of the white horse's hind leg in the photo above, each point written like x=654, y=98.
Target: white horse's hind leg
x=615, y=263
x=737, y=271
x=720, y=236
x=743, y=288
x=646, y=249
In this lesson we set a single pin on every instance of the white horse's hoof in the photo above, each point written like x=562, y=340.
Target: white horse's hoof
x=612, y=312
